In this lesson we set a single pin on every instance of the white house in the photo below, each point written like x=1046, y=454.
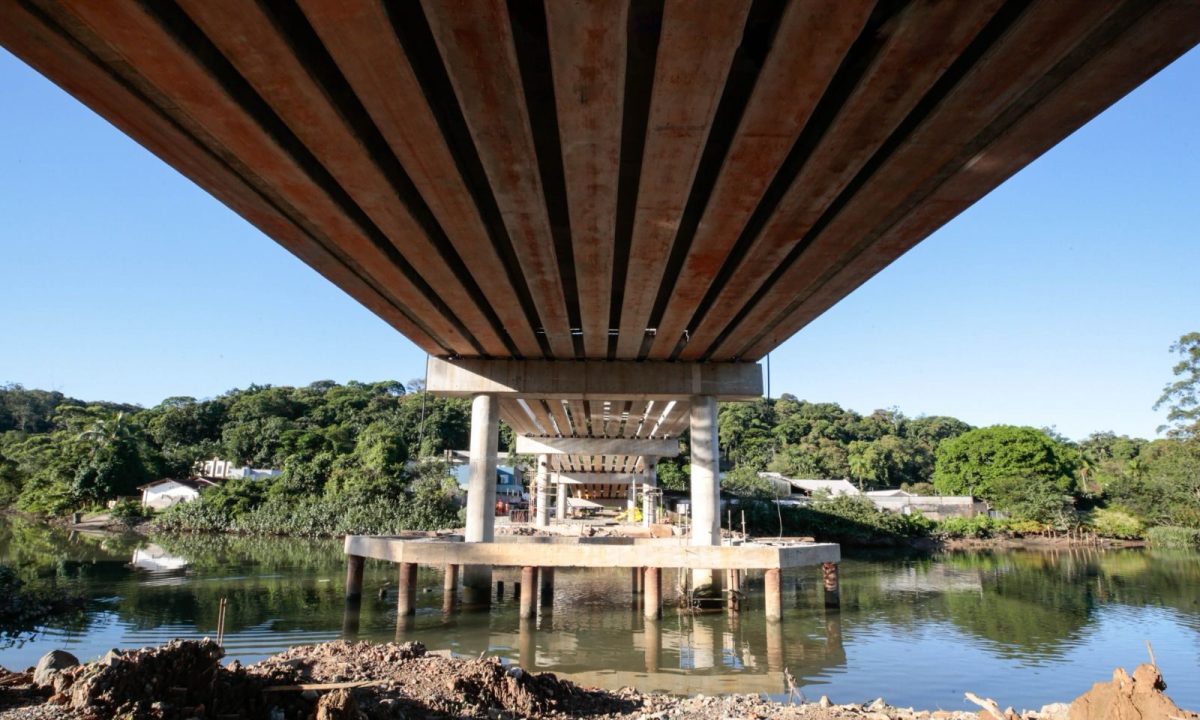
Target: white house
x=162, y=494
x=227, y=470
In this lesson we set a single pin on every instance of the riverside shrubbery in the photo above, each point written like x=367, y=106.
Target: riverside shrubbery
x=428, y=503
x=853, y=520
x=1173, y=537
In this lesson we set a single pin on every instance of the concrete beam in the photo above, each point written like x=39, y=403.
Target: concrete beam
x=661, y=447
x=599, y=478
x=594, y=379
x=660, y=555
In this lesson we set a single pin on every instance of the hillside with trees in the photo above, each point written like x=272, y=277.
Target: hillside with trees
x=362, y=457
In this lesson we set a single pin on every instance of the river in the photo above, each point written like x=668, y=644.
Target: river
x=1026, y=628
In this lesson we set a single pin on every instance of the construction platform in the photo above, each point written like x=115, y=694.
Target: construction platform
x=645, y=557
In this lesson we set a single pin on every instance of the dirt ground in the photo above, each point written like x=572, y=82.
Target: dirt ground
x=364, y=681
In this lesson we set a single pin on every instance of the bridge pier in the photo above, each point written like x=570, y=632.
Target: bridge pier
x=649, y=507
x=833, y=590
x=705, y=490
x=406, y=596
x=541, y=514
x=652, y=593
x=354, y=577
x=560, y=505
x=481, y=494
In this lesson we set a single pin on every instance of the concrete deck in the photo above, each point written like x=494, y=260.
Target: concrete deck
x=547, y=551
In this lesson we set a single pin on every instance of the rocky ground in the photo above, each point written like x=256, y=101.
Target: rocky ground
x=344, y=681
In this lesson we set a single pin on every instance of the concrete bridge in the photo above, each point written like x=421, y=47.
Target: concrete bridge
x=596, y=217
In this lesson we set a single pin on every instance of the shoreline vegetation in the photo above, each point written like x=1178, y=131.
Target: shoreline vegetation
x=355, y=460
x=345, y=680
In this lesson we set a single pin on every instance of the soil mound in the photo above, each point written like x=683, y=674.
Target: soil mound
x=1140, y=697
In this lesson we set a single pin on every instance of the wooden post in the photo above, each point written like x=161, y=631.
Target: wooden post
x=833, y=591
x=652, y=592
x=774, y=593
x=406, y=597
x=528, y=591
x=354, y=577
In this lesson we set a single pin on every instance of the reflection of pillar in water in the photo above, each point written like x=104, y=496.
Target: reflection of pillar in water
x=774, y=646
x=350, y=619
x=833, y=633
x=703, y=643
x=527, y=644
x=653, y=641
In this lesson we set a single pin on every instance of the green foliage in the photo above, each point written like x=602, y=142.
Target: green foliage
x=22, y=606
x=849, y=519
x=1182, y=397
x=672, y=475
x=979, y=526
x=1116, y=523
x=1019, y=470
x=1170, y=536
x=129, y=512
x=744, y=481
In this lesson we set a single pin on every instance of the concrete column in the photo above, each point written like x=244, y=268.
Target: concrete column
x=649, y=508
x=706, y=483
x=630, y=500
x=652, y=593
x=833, y=590
x=350, y=620
x=541, y=516
x=354, y=577
x=528, y=592
x=774, y=592
x=450, y=580
x=481, y=493
x=560, y=509
x=546, y=587
x=406, y=597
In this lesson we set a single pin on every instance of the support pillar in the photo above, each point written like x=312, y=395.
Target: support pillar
x=652, y=593
x=528, y=592
x=631, y=500
x=649, y=507
x=560, y=507
x=546, y=587
x=774, y=593
x=541, y=515
x=481, y=493
x=354, y=577
x=833, y=590
x=705, y=486
x=450, y=580
x=406, y=597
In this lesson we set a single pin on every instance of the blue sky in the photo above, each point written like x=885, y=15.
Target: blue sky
x=1051, y=302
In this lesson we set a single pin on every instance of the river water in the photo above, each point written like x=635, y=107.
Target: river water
x=1026, y=628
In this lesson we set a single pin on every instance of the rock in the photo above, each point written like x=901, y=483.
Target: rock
x=50, y=664
x=515, y=672
x=824, y=701
x=1054, y=711
x=877, y=706
x=1140, y=696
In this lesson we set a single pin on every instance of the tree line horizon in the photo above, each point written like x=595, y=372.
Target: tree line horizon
x=337, y=441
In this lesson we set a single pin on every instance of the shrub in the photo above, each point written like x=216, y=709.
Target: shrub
x=129, y=512
x=979, y=526
x=1171, y=536
x=1018, y=528
x=1116, y=523
x=852, y=520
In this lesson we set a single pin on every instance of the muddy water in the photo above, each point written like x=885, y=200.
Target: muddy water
x=1025, y=628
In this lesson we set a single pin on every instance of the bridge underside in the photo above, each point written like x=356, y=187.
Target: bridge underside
x=628, y=179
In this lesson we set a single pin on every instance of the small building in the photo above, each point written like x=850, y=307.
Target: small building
x=510, y=486
x=217, y=468
x=162, y=494
x=810, y=486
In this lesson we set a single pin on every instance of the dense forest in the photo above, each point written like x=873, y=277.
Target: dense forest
x=363, y=457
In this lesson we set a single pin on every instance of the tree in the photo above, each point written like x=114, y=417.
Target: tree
x=1020, y=470
x=1182, y=397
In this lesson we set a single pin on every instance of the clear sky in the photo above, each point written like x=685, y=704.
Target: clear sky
x=1051, y=302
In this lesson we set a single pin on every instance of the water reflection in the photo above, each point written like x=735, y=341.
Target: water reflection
x=1026, y=627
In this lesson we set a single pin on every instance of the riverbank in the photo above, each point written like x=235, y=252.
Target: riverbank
x=344, y=681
